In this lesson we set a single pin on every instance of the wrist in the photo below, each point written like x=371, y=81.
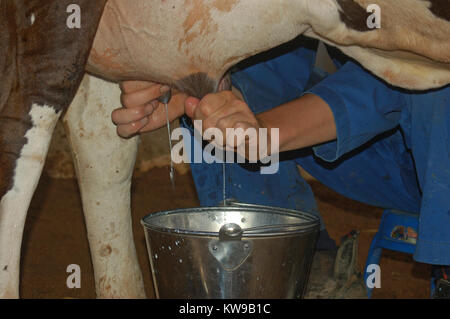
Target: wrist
x=266, y=121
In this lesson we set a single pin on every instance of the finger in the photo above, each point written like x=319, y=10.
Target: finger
x=223, y=116
x=141, y=97
x=190, y=105
x=129, y=130
x=240, y=123
x=129, y=115
x=158, y=118
x=210, y=104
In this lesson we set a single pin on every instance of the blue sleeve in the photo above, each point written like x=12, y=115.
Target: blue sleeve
x=277, y=81
x=363, y=107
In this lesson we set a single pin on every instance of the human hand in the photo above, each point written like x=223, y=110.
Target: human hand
x=141, y=111
x=225, y=111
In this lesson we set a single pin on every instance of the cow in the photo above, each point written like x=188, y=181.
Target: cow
x=187, y=44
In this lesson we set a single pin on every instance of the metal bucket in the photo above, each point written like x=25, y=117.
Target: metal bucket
x=239, y=251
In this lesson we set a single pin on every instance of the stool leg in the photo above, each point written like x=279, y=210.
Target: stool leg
x=372, y=258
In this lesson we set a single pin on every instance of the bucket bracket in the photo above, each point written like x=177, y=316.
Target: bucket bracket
x=230, y=250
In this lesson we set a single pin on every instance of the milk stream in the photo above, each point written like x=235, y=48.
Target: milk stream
x=224, y=193
x=171, y=172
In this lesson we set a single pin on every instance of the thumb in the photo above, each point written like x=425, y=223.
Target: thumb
x=190, y=105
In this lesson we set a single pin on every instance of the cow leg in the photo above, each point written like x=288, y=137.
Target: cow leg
x=40, y=123
x=104, y=163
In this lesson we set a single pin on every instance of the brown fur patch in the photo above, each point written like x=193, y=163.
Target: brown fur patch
x=353, y=15
x=108, y=60
x=105, y=251
x=440, y=8
x=7, y=50
x=52, y=56
x=224, y=6
x=200, y=14
x=43, y=63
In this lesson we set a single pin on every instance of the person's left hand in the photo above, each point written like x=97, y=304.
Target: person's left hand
x=141, y=111
x=224, y=110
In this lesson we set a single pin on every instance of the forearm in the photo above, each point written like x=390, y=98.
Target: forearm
x=303, y=122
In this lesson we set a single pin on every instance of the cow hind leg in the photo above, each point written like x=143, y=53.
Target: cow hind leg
x=104, y=163
x=14, y=204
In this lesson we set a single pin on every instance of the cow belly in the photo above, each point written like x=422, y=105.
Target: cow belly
x=175, y=41
x=171, y=41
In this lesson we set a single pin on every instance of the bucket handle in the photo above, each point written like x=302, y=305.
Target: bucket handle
x=281, y=228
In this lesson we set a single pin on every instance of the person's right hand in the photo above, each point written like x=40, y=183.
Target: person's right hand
x=141, y=111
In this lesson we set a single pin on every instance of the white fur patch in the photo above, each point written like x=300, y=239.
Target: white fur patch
x=14, y=205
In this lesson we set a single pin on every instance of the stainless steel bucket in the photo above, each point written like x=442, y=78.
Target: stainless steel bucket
x=239, y=251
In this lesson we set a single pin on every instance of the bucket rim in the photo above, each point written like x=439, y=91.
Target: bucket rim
x=308, y=225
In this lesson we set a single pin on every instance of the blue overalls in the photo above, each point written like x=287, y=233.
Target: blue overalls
x=392, y=148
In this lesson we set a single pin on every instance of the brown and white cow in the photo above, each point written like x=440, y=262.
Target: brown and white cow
x=189, y=44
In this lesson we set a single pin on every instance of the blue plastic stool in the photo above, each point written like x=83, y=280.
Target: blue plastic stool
x=392, y=234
